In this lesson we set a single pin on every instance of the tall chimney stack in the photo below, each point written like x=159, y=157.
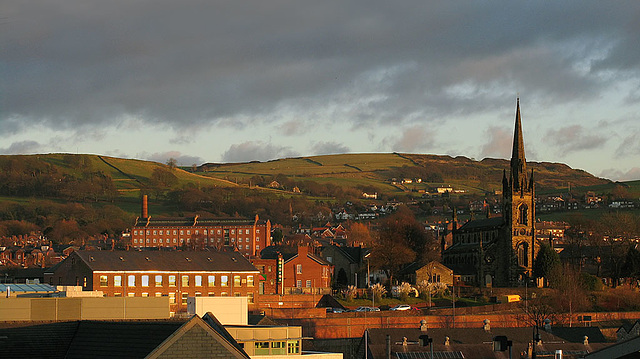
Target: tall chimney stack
x=145, y=208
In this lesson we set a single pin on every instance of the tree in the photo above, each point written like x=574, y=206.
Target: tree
x=545, y=262
x=276, y=235
x=359, y=234
x=172, y=163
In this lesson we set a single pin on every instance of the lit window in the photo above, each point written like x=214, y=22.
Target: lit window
x=132, y=281
x=198, y=281
x=185, y=280
x=155, y=232
x=181, y=232
x=158, y=281
x=257, y=246
x=293, y=346
x=131, y=294
x=299, y=283
x=211, y=281
x=298, y=268
x=160, y=232
x=224, y=281
x=224, y=294
x=175, y=232
x=145, y=294
x=158, y=294
x=184, y=298
x=172, y=281
x=145, y=280
x=172, y=298
x=250, y=297
x=104, y=281
x=249, y=281
x=117, y=281
x=236, y=281
x=188, y=232
x=148, y=232
x=308, y=283
x=233, y=231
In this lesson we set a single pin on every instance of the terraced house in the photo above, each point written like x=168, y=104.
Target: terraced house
x=176, y=274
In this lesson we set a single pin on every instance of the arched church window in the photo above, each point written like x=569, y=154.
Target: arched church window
x=523, y=212
x=523, y=255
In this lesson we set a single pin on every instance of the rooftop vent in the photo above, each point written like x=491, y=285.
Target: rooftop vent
x=234, y=259
x=209, y=259
x=122, y=259
x=147, y=258
x=188, y=259
x=91, y=259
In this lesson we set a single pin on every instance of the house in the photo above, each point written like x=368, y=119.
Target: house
x=348, y=262
x=176, y=274
x=303, y=271
x=432, y=272
x=244, y=235
x=195, y=338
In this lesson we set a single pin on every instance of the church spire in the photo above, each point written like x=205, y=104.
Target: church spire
x=518, y=162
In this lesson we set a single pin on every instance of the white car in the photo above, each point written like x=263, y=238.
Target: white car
x=367, y=309
x=401, y=307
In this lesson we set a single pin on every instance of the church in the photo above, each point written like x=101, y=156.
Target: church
x=500, y=251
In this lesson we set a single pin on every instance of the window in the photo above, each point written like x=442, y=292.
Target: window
x=117, y=294
x=211, y=281
x=135, y=232
x=185, y=281
x=198, y=281
x=158, y=281
x=172, y=298
x=131, y=294
x=523, y=214
x=247, y=246
x=261, y=348
x=155, y=232
x=308, y=283
x=250, y=297
x=198, y=294
x=160, y=233
x=132, y=281
x=158, y=294
x=278, y=348
x=184, y=298
x=257, y=246
x=293, y=346
x=211, y=294
x=117, y=281
x=249, y=281
x=299, y=283
x=145, y=294
x=224, y=294
x=224, y=281
x=188, y=232
x=104, y=281
x=236, y=281
x=298, y=268
x=145, y=280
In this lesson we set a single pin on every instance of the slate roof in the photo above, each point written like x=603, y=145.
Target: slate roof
x=166, y=261
x=194, y=221
x=472, y=342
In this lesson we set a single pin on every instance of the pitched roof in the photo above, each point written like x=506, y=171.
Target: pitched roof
x=194, y=221
x=165, y=260
x=482, y=223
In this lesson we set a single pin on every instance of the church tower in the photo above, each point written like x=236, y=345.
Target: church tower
x=519, y=248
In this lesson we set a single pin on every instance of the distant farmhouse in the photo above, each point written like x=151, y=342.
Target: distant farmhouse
x=500, y=251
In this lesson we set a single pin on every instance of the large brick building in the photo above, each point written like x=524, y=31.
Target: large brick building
x=303, y=272
x=246, y=236
x=176, y=274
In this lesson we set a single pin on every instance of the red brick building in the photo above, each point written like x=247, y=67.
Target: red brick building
x=176, y=274
x=304, y=271
x=246, y=236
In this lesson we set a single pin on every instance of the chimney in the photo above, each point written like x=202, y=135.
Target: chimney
x=486, y=326
x=145, y=208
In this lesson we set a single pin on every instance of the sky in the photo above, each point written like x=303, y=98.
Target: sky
x=233, y=81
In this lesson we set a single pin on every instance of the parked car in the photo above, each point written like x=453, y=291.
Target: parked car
x=367, y=309
x=401, y=307
x=335, y=310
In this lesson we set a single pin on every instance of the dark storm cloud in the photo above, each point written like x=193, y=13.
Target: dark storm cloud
x=69, y=63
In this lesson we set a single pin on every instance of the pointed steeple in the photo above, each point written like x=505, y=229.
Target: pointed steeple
x=518, y=162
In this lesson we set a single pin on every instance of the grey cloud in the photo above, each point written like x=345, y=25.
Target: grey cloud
x=181, y=159
x=617, y=175
x=72, y=62
x=329, y=148
x=574, y=138
x=22, y=147
x=413, y=139
x=499, y=142
x=256, y=151
x=630, y=145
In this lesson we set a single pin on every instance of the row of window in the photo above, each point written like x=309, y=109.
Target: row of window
x=175, y=241
x=182, y=231
x=299, y=283
x=277, y=347
x=185, y=280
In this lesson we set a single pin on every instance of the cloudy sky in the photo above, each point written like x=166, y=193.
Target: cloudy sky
x=210, y=81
